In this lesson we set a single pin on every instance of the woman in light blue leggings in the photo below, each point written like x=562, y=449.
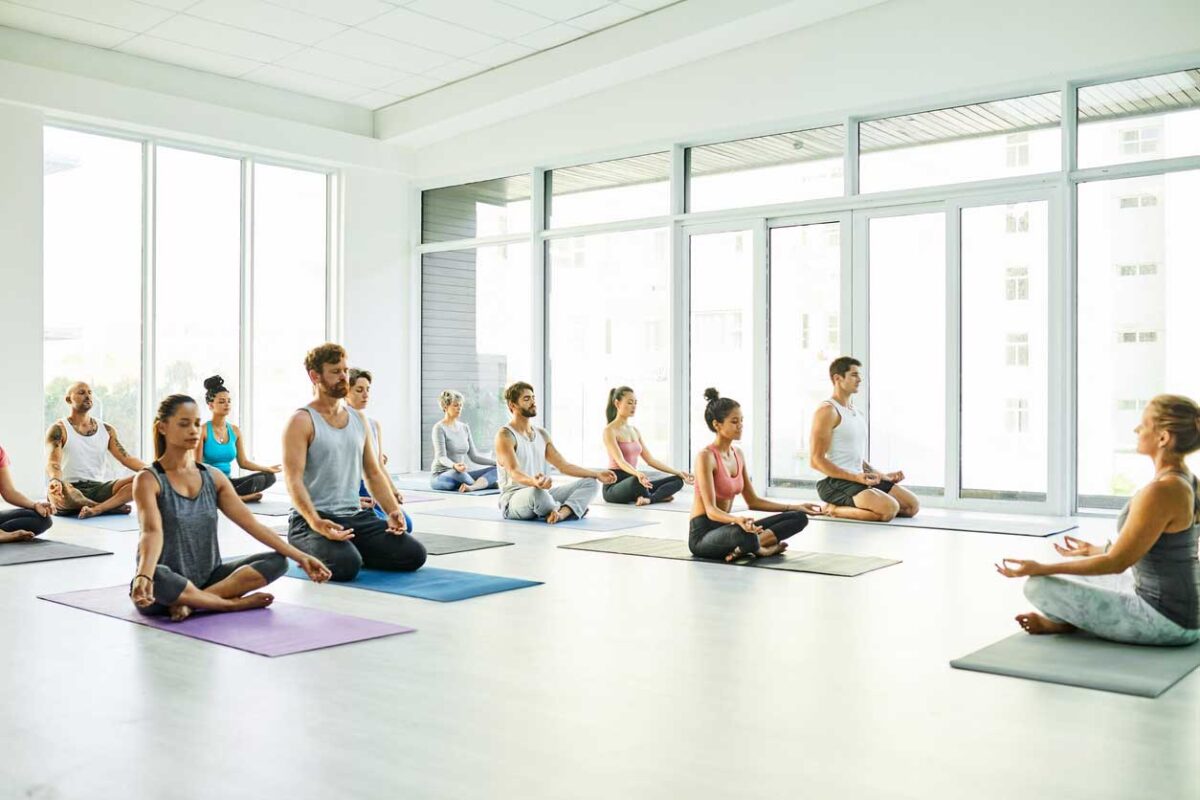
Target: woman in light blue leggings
x=1157, y=602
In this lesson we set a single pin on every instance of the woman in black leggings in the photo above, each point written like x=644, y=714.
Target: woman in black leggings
x=624, y=445
x=28, y=519
x=720, y=477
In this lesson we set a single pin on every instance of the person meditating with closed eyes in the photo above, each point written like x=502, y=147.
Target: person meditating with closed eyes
x=1144, y=588
x=721, y=476
x=625, y=446
x=179, y=564
x=221, y=443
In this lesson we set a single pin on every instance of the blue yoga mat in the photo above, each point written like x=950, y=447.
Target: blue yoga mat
x=410, y=483
x=110, y=522
x=429, y=583
x=588, y=523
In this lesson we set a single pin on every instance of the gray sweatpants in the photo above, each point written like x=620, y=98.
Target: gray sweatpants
x=1106, y=606
x=531, y=503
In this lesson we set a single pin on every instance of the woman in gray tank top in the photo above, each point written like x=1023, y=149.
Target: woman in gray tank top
x=179, y=566
x=1157, y=601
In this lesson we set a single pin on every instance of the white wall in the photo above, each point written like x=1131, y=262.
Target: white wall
x=377, y=303
x=21, y=432
x=900, y=55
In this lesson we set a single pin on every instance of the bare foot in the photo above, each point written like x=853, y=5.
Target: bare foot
x=122, y=510
x=16, y=536
x=256, y=600
x=89, y=511
x=1037, y=625
x=180, y=612
x=772, y=550
x=252, y=498
x=734, y=556
x=561, y=515
x=642, y=501
x=463, y=488
x=667, y=499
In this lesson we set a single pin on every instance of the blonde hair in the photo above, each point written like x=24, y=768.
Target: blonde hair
x=1180, y=417
x=449, y=396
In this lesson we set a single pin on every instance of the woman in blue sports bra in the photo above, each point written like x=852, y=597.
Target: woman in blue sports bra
x=221, y=444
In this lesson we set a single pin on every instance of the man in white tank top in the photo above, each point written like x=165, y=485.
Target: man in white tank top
x=522, y=452
x=78, y=447
x=852, y=488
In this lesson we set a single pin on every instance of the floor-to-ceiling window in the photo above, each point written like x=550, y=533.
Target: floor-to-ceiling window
x=200, y=263
x=92, y=257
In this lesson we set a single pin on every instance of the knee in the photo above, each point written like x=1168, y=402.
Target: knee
x=890, y=508
x=271, y=567
x=268, y=480
x=40, y=525
x=590, y=485
x=543, y=502
x=417, y=555
x=909, y=508
x=1037, y=588
x=344, y=566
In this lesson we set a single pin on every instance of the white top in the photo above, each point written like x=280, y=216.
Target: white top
x=84, y=457
x=848, y=447
x=531, y=459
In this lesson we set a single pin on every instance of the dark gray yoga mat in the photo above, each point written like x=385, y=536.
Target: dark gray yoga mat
x=44, y=550
x=440, y=544
x=1076, y=659
x=846, y=566
x=1011, y=524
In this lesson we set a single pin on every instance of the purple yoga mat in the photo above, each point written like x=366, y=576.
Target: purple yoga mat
x=279, y=630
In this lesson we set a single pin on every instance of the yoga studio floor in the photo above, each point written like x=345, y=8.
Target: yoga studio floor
x=621, y=677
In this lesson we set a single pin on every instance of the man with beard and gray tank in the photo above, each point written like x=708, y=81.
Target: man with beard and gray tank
x=522, y=453
x=326, y=454
x=77, y=450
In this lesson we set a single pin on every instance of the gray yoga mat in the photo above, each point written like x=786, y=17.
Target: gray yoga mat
x=1076, y=659
x=846, y=566
x=588, y=523
x=1012, y=524
x=440, y=544
x=44, y=550
x=109, y=522
x=271, y=508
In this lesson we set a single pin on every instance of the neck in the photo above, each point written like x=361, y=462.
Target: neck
x=842, y=396
x=622, y=419
x=1169, y=461
x=723, y=444
x=520, y=422
x=326, y=403
x=218, y=420
x=449, y=420
x=177, y=458
x=77, y=418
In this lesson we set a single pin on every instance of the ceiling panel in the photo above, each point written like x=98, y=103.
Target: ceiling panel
x=342, y=68
x=611, y=14
x=560, y=10
x=502, y=54
x=377, y=49
x=405, y=26
x=61, y=27
x=496, y=18
x=264, y=18
x=347, y=12
x=124, y=14
x=224, y=38
x=551, y=36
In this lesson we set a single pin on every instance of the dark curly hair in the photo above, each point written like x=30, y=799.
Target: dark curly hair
x=717, y=408
x=212, y=387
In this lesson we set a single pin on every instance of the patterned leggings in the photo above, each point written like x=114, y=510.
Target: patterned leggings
x=1106, y=606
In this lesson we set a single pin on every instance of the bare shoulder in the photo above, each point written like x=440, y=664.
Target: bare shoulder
x=704, y=460
x=56, y=433
x=145, y=481
x=236, y=432
x=110, y=430
x=825, y=414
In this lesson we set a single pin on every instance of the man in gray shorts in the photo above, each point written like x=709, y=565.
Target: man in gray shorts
x=852, y=488
x=522, y=452
x=327, y=455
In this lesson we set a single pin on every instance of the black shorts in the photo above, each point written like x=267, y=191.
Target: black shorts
x=841, y=492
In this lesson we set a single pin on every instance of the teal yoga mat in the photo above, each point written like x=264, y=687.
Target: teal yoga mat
x=588, y=523
x=429, y=583
x=1075, y=659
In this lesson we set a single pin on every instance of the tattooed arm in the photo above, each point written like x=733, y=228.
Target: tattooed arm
x=119, y=452
x=60, y=493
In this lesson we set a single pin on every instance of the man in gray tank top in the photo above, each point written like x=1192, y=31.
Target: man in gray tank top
x=522, y=453
x=326, y=454
x=852, y=488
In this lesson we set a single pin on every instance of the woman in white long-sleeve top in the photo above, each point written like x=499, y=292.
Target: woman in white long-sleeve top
x=454, y=452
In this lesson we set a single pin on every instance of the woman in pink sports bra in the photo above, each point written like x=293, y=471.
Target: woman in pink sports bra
x=720, y=477
x=624, y=445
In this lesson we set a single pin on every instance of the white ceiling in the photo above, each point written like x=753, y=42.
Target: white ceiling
x=369, y=53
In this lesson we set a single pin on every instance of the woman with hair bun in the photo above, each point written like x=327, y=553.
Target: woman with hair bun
x=624, y=445
x=720, y=477
x=221, y=443
x=1144, y=588
x=454, y=452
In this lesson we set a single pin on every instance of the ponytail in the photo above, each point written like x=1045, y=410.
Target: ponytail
x=166, y=410
x=614, y=397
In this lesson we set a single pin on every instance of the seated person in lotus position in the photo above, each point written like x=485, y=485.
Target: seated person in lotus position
x=327, y=453
x=852, y=488
x=29, y=518
x=358, y=398
x=624, y=445
x=1144, y=588
x=179, y=566
x=721, y=476
x=78, y=446
x=523, y=452
x=454, y=452
x=221, y=443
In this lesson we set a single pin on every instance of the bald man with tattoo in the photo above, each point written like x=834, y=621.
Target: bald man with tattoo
x=77, y=450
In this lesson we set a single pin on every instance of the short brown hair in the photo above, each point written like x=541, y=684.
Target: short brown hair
x=318, y=357
x=356, y=373
x=842, y=365
x=512, y=394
